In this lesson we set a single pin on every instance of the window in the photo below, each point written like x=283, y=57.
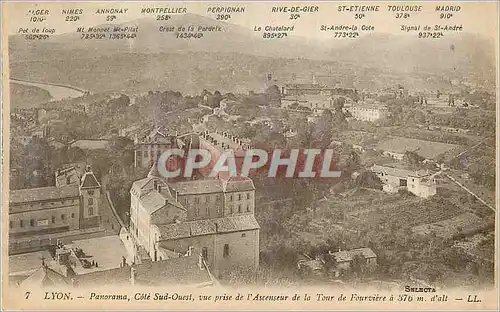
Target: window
x=239, y=208
x=72, y=215
x=53, y=219
x=243, y=234
x=248, y=195
x=207, y=211
x=204, y=253
x=248, y=208
x=239, y=196
x=197, y=200
x=32, y=222
x=230, y=208
x=226, y=250
x=11, y=224
x=91, y=211
x=63, y=217
x=90, y=192
x=231, y=197
x=145, y=154
x=90, y=201
x=21, y=223
x=218, y=209
x=68, y=180
x=197, y=211
x=207, y=199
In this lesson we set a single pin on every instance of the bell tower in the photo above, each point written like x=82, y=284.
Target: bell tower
x=90, y=195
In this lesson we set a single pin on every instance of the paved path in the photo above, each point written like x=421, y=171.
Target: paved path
x=470, y=192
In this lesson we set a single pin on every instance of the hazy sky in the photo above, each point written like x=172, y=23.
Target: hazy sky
x=480, y=17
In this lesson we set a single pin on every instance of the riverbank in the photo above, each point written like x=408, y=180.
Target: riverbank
x=57, y=91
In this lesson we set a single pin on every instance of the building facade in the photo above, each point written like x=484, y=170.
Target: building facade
x=310, y=101
x=345, y=258
x=421, y=183
x=367, y=112
x=40, y=215
x=211, y=216
x=150, y=147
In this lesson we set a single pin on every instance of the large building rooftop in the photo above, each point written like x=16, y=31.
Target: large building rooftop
x=174, y=271
x=224, y=141
x=348, y=255
x=426, y=149
x=41, y=194
x=399, y=172
x=207, y=227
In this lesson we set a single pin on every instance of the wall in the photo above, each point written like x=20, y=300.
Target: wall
x=167, y=215
x=234, y=201
x=90, y=207
x=139, y=222
x=389, y=179
x=153, y=152
x=42, y=218
x=243, y=252
x=243, y=249
x=202, y=206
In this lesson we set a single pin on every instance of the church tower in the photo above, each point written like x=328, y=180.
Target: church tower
x=90, y=195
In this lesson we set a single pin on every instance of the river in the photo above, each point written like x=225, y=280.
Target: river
x=57, y=91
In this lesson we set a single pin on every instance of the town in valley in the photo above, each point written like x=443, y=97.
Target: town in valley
x=414, y=206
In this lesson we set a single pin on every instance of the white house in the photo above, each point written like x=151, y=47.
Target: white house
x=421, y=183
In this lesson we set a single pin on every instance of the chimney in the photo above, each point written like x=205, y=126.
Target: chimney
x=132, y=276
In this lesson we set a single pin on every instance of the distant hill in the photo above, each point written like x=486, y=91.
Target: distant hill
x=238, y=59
x=233, y=39
x=455, y=56
x=188, y=72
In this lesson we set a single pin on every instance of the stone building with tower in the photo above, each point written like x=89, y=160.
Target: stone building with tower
x=211, y=216
x=38, y=217
x=149, y=147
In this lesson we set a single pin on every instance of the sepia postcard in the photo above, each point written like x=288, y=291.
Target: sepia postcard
x=250, y=155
